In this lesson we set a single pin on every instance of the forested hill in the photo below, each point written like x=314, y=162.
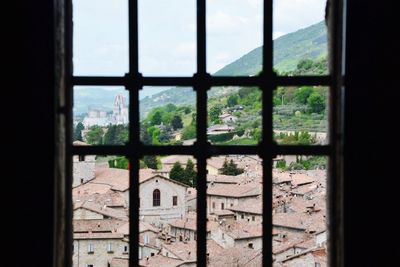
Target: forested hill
x=289, y=49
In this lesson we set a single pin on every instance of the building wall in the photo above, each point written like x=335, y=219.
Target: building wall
x=222, y=239
x=212, y=170
x=248, y=217
x=166, y=210
x=100, y=256
x=186, y=233
x=303, y=261
x=145, y=251
x=244, y=243
x=84, y=214
x=320, y=238
x=83, y=171
x=228, y=202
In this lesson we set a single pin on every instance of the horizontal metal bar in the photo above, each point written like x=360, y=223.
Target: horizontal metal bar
x=98, y=81
x=100, y=150
x=168, y=81
x=212, y=150
x=303, y=80
x=211, y=80
x=302, y=150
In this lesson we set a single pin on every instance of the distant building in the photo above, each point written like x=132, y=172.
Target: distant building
x=101, y=118
x=83, y=167
x=228, y=118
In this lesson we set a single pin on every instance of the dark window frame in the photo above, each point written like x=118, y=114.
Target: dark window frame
x=174, y=201
x=156, y=198
x=201, y=149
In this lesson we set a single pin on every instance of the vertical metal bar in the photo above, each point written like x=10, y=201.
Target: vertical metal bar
x=133, y=86
x=201, y=37
x=335, y=204
x=201, y=87
x=267, y=88
x=68, y=132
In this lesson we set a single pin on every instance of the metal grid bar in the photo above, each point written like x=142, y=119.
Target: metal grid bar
x=201, y=87
x=211, y=80
x=201, y=150
x=267, y=88
x=133, y=87
x=211, y=150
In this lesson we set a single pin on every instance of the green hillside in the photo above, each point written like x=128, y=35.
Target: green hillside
x=310, y=43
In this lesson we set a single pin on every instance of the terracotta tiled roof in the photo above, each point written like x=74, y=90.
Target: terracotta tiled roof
x=186, y=251
x=236, y=256
x=109, y=212
x=253, y=207
x=240, y=230
x=103, y=225
x=159, y=260
x=98, y=236
x=234, y=190
x=119, y=262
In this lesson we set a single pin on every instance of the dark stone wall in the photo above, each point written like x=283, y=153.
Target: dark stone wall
x=372, y=115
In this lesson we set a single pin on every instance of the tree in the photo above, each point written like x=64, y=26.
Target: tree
x=177, y=173
x=316, y=103
x=232, y=100
x=176, y=122
x=95, y=135
x=116, y=135
x=156, y=119
x=301, y=95
x=189, y=132
x=231, y=168
x=150, y=161
x=190, y=174
x=78, y=132
x=214, y=113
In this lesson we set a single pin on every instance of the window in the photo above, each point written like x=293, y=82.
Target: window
x=90, y=248
x=90, y=265
x=201, y=149
x=125, y=250
x=242, y=216
x=81, y=158
x=146, y=239
x=250, y=245
x=253, y=218
x=152, y=254
x=174, y=200
x=109, y=248
x=156, y=198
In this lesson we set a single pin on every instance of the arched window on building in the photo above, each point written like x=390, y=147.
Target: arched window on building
x=156, y=198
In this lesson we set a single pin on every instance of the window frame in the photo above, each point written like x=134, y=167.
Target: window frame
x=201, y=82
x=156, y=197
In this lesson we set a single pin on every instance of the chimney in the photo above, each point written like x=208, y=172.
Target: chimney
x=188, y=256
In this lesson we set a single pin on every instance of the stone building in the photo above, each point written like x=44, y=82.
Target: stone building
x=161, y=199
x=83, y=167
x=97, y=242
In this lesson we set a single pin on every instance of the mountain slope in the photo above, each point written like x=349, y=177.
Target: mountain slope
x=310, y=42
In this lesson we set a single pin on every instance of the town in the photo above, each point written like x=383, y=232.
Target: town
x=167, y=214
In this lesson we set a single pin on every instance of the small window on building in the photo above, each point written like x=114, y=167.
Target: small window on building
x=213, y=205
x=195, y=236
x=253, y=218
x=242, y=216
x=174, y=201
x=231, y=204
x=126, y=250
x=152, y=254
x=156, y=198
x=222, y=206
x=90, y=248
x=90, y=265
x=146, y=239
x=81, y=158
x=109, y=248
x=250, y=245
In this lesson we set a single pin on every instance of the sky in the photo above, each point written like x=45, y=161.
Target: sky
x=167, y=33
